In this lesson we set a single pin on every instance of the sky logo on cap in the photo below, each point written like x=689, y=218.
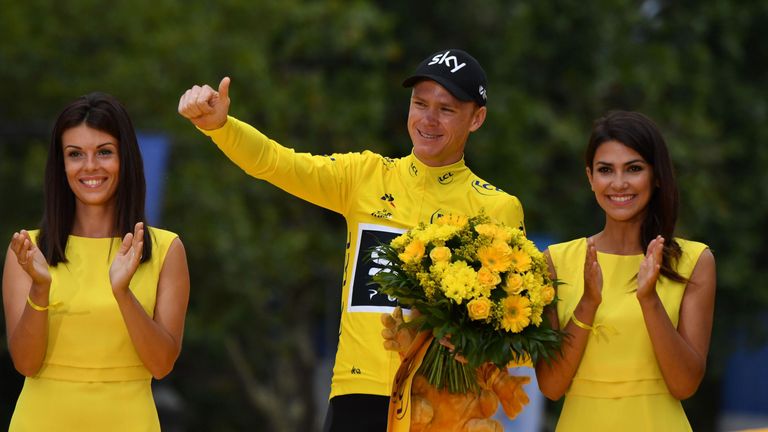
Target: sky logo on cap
x=444, y=59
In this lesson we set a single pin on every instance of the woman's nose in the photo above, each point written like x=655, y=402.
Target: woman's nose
x=91, y=162
x=620, y=182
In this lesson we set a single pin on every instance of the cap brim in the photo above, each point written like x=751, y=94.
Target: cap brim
x=450, y=86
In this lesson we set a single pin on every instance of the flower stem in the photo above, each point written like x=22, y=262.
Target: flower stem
x=444, y=372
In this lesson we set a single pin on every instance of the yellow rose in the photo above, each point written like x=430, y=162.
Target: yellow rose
x=487, y=278
x=514, y=283
x=479, y=308
x=440, y=254
x=547, y=294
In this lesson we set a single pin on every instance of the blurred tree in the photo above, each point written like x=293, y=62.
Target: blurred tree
x=324, y=77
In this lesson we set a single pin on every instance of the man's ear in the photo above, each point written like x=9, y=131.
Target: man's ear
x=478, y=117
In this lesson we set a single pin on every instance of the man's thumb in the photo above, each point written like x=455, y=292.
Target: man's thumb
x=224, y=88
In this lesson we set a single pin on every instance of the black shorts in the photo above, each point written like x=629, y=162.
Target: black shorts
x=357, y=413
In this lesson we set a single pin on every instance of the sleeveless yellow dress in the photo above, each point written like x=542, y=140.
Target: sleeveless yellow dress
x=618, y=385
x=92, y=378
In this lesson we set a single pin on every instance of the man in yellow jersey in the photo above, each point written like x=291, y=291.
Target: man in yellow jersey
x=380, y=197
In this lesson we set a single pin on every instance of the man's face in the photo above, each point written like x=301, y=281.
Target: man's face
x=439, y=124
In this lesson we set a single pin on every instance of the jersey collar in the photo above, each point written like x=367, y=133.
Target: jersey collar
x=443, y=174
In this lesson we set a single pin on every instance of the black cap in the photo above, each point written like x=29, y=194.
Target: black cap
x=455, y=70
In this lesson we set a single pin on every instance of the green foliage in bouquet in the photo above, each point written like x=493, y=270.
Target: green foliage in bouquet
x=478, y=281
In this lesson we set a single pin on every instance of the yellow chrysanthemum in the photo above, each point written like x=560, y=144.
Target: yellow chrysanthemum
x=440, y=254
x=438, y=269
x=531, y=279
x=514, y=284
x=400, y=241
x=414, y=251
x=534, y=294
x=517, y=313
x=459, y=282
x=536, y=313
x=435, y=233
x=496, y=257
x=518, y=236
x=479, y=308
x=529, y=248
x=520, y=260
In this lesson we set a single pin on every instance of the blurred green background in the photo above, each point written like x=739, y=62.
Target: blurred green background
x=324, y=76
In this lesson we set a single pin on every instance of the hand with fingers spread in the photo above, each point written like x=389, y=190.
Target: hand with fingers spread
x=30, y=258
x=205, y=107
x=127, y=260
x=593, y=274
x=650, y=268
x=396, y=337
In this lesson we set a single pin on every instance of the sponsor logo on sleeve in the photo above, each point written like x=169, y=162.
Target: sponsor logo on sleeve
x=388, y=162
x=364, y=296
x=484, y=188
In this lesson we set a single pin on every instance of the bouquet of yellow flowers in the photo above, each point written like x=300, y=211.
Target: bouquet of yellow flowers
x=483, y=284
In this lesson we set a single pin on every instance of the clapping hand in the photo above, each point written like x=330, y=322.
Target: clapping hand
x=593, y=274
x=650, y=268
x=127, y=260
x=30, y=258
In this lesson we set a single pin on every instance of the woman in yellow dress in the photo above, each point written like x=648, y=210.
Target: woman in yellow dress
x=94, y=301
x=639, y=319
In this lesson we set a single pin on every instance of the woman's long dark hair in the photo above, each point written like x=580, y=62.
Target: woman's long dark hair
x=641, y=134
x=105, y=113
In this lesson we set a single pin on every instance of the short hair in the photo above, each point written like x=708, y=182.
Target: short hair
x=641, y=134
x=105, y=113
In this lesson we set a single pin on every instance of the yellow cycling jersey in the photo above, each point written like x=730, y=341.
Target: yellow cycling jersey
x=380, y=198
